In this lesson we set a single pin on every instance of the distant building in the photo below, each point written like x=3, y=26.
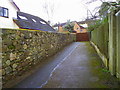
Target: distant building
x=59, y=27
x=8, y=11
x=77, y=28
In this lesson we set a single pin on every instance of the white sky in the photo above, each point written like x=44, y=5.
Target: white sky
x=63, y=9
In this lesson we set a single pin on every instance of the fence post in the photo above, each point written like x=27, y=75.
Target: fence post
x=112, y=42
x=0, y=58
x=118, y=45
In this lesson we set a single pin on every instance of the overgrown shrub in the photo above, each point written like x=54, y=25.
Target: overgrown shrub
x=97, y=24
x=69, y=27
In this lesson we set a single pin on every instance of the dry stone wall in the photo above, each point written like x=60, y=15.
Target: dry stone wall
x=22, y=49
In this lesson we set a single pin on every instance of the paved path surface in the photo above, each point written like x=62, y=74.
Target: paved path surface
x=42, y=74
x=77, y=66
x=81, y=69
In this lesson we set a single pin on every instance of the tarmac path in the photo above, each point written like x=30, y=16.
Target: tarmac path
x=76, y=66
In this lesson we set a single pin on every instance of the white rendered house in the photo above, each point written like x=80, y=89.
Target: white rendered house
x=8, y=11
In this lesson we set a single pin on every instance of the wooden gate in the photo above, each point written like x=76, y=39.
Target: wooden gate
x=82, y=37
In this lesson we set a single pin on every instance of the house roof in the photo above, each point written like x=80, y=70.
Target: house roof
x=32, y=22
x=60, y=24
x=80, y=26
x=14, y=4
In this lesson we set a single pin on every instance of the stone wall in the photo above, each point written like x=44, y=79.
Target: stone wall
x=22, y=49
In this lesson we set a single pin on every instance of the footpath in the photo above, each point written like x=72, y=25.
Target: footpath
x=76, y=66
x=82, y=68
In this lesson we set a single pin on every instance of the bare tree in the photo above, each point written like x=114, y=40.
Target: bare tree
x=48, y=7
x=88, y=2
x=45, y=7
x=91, y=1
x=92, y=14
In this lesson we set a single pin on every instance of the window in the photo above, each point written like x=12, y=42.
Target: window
x=34, y=20
x=3, y=12
x=42, y=22
x=22, y=17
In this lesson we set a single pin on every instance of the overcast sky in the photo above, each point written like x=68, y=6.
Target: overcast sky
x=63, y=10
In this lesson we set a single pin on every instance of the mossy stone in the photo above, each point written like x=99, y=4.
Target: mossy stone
x=3, y=72
x=14, y=65
x=11, y=47
x=8, y=62
x=8, y=70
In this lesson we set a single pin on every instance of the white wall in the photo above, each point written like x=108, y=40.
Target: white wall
x=8, y=22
